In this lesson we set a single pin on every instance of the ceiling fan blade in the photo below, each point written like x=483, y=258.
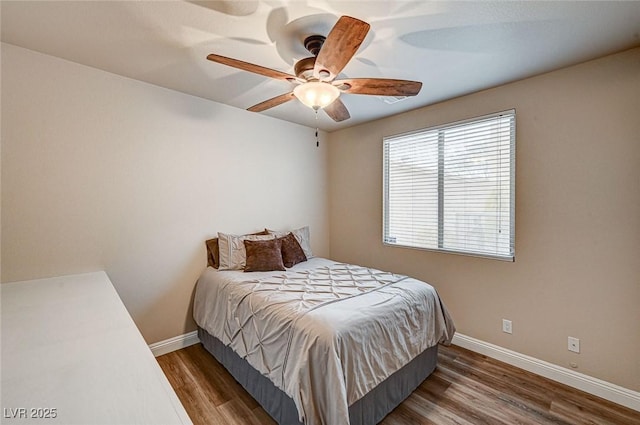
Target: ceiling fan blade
x=256, y=69
x=270, y=103
x=337, y=111
x=379, y=86
x=341, y=44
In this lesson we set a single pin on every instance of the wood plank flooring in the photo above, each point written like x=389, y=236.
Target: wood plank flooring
x=466, y=388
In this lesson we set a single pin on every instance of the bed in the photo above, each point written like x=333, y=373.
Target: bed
x=322, y=342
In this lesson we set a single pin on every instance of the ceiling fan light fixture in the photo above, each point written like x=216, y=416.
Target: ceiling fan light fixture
x=316, y=95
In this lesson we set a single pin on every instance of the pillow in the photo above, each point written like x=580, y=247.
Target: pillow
x=232, y=251
x=213, y=250
x=292, y=253
x=263, y=255
x=301, y=235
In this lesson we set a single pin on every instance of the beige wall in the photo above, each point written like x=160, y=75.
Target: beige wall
x=104, y=172
x=577, y=268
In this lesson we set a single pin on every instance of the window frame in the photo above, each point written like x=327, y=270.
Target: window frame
x=440, y=201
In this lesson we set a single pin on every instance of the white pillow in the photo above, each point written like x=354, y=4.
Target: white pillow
x=302, y=236
x=233, y=255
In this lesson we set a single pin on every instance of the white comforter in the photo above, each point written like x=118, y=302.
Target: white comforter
x=325, y=333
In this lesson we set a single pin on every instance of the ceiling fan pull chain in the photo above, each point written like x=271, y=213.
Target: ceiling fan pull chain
x=317, y=139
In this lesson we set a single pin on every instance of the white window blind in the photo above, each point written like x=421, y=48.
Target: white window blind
x=452, y=188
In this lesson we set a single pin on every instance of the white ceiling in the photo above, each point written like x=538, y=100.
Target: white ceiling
x=454, y=48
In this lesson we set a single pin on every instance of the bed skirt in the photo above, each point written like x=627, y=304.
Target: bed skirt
x=369, y=410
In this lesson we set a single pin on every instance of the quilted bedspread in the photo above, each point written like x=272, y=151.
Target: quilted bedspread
x=325, y=333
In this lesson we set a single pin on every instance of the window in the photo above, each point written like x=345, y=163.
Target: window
x=452, y=188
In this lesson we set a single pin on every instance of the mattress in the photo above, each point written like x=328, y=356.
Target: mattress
x=369, y=410
x=324, y=333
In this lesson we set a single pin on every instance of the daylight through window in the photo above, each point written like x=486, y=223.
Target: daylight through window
x=452, y=188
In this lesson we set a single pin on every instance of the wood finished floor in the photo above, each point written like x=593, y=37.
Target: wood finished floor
x=466, y=388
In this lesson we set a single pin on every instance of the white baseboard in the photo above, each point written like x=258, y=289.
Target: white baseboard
x=586, y=383
x=172, y=344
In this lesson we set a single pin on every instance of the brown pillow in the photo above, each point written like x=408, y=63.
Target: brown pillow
x=263, y=256
x=292, y=252
x=213, y=250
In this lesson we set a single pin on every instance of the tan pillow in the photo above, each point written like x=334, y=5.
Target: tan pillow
x=232, y=251
x=263, y=255
x=213, y=250
x=292, y=253
x=301, y=235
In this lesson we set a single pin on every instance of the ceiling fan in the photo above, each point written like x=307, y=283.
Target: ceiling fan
x=315, y=79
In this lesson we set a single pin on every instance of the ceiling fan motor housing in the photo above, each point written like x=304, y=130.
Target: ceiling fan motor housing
x=304, y=68
x=314, y=43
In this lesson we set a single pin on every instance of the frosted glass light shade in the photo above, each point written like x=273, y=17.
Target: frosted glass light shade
x=315, y=94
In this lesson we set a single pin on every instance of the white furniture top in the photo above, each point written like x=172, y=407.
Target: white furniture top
x=71, y=350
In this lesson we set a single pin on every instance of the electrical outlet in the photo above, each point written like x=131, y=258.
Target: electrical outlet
x=506, y=326
x=574, y=344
